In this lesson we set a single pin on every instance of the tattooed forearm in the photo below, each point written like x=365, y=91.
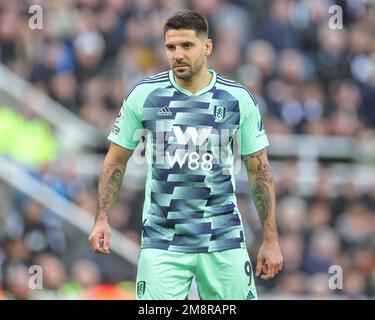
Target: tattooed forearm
x=262, y=200
x=262, y=189
x=109, y=186
x=263, y=192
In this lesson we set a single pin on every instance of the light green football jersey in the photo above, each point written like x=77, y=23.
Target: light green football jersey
x=190, y=203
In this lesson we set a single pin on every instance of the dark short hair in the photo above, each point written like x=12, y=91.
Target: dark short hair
x=187, y=19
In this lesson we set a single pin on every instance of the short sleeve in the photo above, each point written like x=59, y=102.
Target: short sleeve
x=125, y=130
x=252, y=132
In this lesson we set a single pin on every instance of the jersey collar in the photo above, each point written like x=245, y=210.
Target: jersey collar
x=187, y=92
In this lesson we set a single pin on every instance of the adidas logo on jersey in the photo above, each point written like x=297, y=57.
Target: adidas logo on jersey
x=164, y=112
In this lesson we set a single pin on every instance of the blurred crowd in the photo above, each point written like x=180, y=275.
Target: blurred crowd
x=307, y=77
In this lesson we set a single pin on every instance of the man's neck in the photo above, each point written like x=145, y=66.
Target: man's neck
x=196, y=83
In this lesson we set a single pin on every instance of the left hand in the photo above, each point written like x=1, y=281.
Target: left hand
x=269, y=261
x=100, y=236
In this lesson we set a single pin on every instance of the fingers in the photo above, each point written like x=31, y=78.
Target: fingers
x=97, y=241
x=94, y=240
x=267, y=270
x=107, y=238
x=270, y=273
x=270, y=260
x=260, y=262
x=270, y=270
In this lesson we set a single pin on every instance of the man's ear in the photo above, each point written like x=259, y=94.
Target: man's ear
x=209, y=47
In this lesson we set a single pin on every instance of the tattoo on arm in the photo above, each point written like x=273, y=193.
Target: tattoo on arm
x=109, y=186
x=262, y=181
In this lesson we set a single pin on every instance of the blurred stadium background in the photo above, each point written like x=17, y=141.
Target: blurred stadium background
x=61, y=88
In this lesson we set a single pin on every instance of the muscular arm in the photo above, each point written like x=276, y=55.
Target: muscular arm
x=269, y=260
x=263, y=191
x=111, y=179
x=109, y=186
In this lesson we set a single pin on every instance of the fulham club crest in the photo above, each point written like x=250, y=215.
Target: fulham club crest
x=219, y=113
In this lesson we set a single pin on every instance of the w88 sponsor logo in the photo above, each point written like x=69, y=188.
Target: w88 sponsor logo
x=193, y=159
